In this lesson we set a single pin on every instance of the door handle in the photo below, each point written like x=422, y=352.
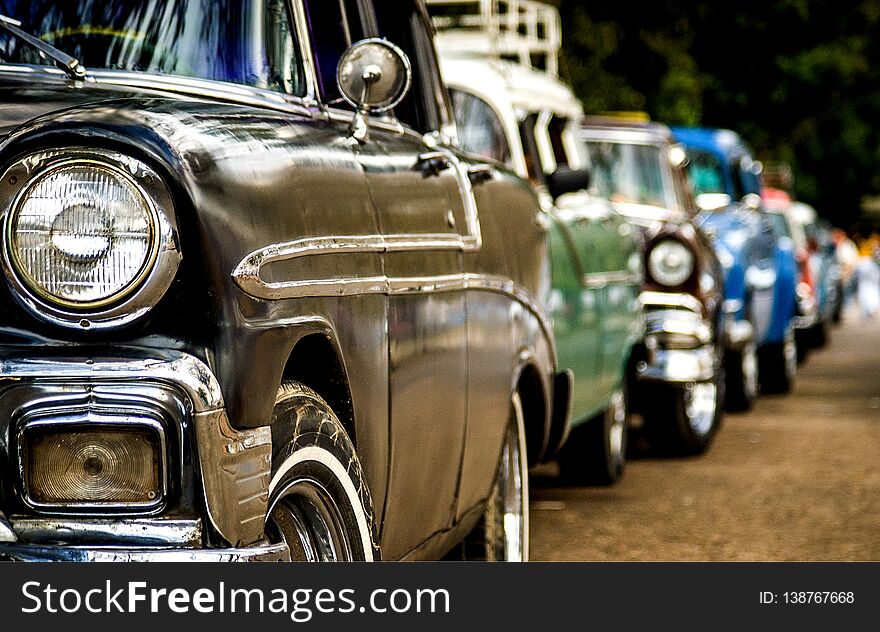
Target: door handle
x=433, y=164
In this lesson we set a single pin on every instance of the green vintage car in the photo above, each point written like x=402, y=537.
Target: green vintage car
x=520, y=114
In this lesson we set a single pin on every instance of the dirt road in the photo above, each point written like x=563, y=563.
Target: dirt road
x=798, y=478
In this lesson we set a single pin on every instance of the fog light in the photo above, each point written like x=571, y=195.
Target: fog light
x=69, y=467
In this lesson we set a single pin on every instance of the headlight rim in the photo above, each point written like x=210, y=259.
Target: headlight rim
x=674, y=240
x=86, y=307
x=155, y=278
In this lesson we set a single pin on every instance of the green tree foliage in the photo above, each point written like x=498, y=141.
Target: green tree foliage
x=799, y=79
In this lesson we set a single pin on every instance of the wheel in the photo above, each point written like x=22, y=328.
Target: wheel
x=319, y=503
x=820, y=334
x=595, y=453
x=502, y=535
x=837, y=315
x=684, y=419
x=803, y=342
x=777, y=365
x=741, y=369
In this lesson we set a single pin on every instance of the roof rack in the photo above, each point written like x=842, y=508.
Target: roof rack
x=525, y=31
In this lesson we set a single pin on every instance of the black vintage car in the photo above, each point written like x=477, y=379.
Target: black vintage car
x=249, y=312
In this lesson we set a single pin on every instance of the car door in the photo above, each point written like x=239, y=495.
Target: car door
x=417, y=190
x=597, y=235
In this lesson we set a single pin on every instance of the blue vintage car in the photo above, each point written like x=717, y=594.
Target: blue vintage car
x=760, y=269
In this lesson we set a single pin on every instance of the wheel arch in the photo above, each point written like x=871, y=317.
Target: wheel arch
x=534, y=393
x=316, y=362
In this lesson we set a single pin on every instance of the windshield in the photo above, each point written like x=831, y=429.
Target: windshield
x=249, y=42
x=628, y=173
x=706, y=174
x=780, y=225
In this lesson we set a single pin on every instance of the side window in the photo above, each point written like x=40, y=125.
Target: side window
x=334, y=25
x=480, y=130
x=404, y=23
x=530, y=149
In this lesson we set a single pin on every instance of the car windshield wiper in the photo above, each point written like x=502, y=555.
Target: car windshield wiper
x=70, y=65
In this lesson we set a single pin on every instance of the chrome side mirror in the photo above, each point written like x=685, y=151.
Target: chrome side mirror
x=373, y=76
x=678, y=157
x=566, y=180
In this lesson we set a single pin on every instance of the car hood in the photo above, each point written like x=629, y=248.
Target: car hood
x=22, y=102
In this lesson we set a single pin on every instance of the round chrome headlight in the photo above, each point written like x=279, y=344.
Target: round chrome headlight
x=82, y=235
x=90, y=237
x=671, y=263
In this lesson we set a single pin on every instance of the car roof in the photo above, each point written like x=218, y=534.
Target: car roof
x=620, y=127
x=716, y=140
x=524, y=88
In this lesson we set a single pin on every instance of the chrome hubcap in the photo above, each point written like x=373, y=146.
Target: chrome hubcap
x=306, y=518
x=700, y=403
x=750, y=371
x=507, y=513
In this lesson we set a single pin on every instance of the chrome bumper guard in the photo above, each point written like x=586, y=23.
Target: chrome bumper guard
x=235, y=465
x=738, y=334
x=678, y=340
x=678, y=366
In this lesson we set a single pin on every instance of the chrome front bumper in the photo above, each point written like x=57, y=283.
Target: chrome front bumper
x=678, y=340
x=38, y=553
x=234, y=466
x=678, y=366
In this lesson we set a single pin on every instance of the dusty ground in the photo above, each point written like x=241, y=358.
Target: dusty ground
x=798, y=478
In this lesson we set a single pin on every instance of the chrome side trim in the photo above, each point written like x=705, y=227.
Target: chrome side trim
x=598, y=280
x=263, y=552
x=235, y=465
x=671, y=299
x=247, y=273
x=248, y=277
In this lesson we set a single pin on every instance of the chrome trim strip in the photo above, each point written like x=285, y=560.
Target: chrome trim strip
x=303, y=40
x=263, y=552
x=136, y=532
x=178, y=369
x=671, y=299
x=235, y=465
x=247, y=273
x=597, y=280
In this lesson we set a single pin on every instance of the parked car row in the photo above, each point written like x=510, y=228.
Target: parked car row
x=295, y=287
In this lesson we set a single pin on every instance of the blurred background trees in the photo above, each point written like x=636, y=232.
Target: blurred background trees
x=799, y=79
